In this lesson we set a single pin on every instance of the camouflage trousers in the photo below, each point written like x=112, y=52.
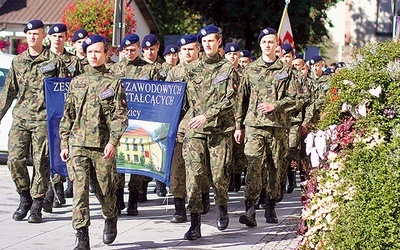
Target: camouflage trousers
x=120, y=181
x=265, y=147
x=293, y=151
x=103, y=174
x=239, y=159
x=135, y=184
x=197, y=148
x=177, y=184
x=25, y=136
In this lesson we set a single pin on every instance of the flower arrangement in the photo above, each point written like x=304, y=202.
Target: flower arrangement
x=4, y=43
x=352, y=198
x=22, y=45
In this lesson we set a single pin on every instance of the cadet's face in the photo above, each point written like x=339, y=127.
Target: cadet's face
x=35, y=37
x=298, y=64
x=233, y=57
x=268, y=45
x=151, y=52
x=78, y=45
x=131, y=52
x=96, y=55
x=171, y=58
x=288, y=59
x=210, y=44
x=57, y=39
x=317, y=68
x=244, y=61
x=190, y=52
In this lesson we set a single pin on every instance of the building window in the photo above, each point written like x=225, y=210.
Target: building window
x=136, y=158
x=128, y=157
x=127, y=144
x=135, y=147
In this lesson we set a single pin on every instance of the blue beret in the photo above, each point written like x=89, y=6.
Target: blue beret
x=79, y=34
x=92, y=40
x=149, y=40
x=33, y=25
x=209, y=29
x=328, y=71
x=266, y=31
x=341, y=65
x=298, y=56
x=286, y=48
x=170, y=49
x=315, y=59
x=245, y=53
x=232, y=47
x=187, y=39
x=128, y=40
x=57, y=28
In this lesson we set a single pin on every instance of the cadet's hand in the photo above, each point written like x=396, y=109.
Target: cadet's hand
x=64, y=154
x=109, y=151
x=239, y=136
x=197, y=121
x=266, y=107
x=303, y=130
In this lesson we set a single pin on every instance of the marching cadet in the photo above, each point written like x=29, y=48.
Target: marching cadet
x=238, y=164
x=25, y=83
x=94, y=119
x=78, y=38
x=245, y=58
x=211, y=87
x=321, y=85
x=132, y=66
x=171, y=55
x=266, y=92
x=58, y=36
x=189, y=50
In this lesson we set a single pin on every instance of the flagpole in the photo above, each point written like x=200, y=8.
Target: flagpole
x=284, y=13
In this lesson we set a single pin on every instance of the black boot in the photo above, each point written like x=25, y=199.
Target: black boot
x=69, y=191
x=120, y=200
x=25, y=203
x=291, y=180
x=82, y=235
x=205, y=201
x=48, y=200
x=132, y=204
x=270, y=214
x=261, y=201
x=180, y=211
x=194, y=231
x=110, y=230
x=145, y=185
x=36, y=211
x=60, y=199
x=161, y=189
x=223, y=218
x=249, y=218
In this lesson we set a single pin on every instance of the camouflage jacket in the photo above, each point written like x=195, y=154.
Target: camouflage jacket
x=320, y=87
x=303, y=98
x=211, y=86
x=73, y=64
x=136, y=69
x=95, y=111
x=262, y=84
x=25, y=82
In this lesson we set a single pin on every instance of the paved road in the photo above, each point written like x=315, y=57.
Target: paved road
x=151, y=229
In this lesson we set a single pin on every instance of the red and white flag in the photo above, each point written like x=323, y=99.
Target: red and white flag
x=285, y=30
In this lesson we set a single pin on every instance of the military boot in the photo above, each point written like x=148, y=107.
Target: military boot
x=270, y=214
x=36, y=211
x=291, y=181
x=110, y=230
x=60, y=199
x=195, y=227
x=205, y=201
x=161, y=189
x=180, y=211
x=48, y=200
x=69, y=190
x=222, y=217
x=120, y=200
x=261, y=201
x=132, y=204
x=82, y=235
x=25, y=203
x=249, y=218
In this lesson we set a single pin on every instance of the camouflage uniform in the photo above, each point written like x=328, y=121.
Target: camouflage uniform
x=73, y=63
x=92, y=118
x=266, y=135
x=29, y=127
x=211, y=87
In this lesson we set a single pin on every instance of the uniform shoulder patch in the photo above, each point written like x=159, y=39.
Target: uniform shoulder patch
x=106, y=93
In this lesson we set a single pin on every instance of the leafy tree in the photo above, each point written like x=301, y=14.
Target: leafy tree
x=96, y=17
x=245, y=18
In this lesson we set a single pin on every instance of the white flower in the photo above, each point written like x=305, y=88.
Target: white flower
x=314, y=158
x=309, y=142
x=320, y=143
x=362, y=109
x=376, y=91
x=347, y=82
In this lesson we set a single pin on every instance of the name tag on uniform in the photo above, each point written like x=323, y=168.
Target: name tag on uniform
x=106, y=94
x=281, y=76
x=145, y=77
x=47, y=68
x=79, y=86
x=220, y=77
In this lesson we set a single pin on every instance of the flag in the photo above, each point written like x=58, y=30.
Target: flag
x=285, y=33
